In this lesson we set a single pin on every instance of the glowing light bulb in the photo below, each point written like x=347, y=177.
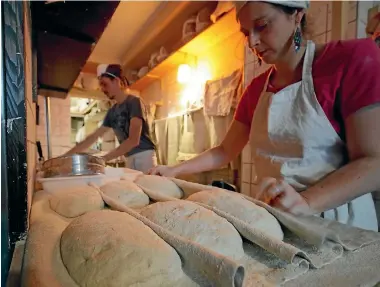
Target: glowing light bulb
x=184, y=73
x=203, y=73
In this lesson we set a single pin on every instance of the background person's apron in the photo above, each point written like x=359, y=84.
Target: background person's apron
x=291, y=138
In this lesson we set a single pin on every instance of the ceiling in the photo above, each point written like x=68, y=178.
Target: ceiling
x=126, y=22
x=139, y=28
x=73, y=37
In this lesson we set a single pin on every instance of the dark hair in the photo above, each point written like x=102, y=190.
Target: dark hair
x=117, y=71
x=290, y=11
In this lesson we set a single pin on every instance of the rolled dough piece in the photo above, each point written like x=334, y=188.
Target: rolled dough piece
x=242, y=209
x=159, y=185
x=76, y=201
x=111, y=248
x=126, y=192
x=197, y=224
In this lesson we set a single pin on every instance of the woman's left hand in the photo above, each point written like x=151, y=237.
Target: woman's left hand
x=281, y=195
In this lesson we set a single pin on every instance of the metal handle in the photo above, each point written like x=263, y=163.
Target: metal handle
x=39, y=150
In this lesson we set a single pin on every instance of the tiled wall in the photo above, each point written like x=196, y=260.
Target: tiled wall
x=320, y=16
x=167, y=91
x=321, y=19
x=60, y=126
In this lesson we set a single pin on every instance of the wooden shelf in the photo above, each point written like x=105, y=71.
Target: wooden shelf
x=212, y=35
x=171, y=62
x=76, y=115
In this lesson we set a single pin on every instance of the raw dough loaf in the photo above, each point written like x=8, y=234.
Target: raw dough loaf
x=160, y=185
x=197, y=224
x=111, y=248
x=76, y=201
x=126, y=192
x=242, y=209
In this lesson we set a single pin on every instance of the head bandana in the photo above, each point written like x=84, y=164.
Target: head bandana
x=292, y=4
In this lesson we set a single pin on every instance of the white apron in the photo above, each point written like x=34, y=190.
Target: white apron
x=291, y=138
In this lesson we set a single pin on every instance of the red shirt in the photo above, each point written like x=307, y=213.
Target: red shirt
x=346, y=77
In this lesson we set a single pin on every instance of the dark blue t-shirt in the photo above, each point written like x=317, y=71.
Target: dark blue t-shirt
x=119, y=117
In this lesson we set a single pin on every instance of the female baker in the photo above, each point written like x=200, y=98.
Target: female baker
x=312, y=119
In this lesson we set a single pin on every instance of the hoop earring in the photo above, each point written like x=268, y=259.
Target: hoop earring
x=297, y=39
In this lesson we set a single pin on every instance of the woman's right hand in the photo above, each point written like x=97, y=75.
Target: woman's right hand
x=163, y=170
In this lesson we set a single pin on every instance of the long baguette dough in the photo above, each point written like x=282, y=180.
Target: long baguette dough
x=158, y=185
x=242, y=209
x=126, y=192
x=197, y=224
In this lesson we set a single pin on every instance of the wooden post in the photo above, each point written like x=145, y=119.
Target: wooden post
x=339, y=20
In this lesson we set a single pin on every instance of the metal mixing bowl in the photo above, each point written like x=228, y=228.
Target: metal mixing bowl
x=74, y=165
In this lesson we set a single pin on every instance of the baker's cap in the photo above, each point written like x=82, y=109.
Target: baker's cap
x=113, y=70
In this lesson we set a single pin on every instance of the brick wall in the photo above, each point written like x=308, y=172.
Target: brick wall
x=60, y=126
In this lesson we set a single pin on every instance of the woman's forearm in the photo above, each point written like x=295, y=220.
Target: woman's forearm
x=82, y=146
x=122, y=149
x=87, y=142
x=211, y=159
x=353, y=180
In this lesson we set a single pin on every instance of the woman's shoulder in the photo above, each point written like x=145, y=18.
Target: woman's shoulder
x=343, y=50
x=350, y=68
x=257, y=84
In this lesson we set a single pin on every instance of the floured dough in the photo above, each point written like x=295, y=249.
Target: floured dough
x=111, y=248
x=126, y=192
x=76, y=201
x=197, y=224
x=242, y=209
x=159, y=185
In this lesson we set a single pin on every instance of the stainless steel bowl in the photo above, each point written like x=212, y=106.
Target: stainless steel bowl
x=74, y=165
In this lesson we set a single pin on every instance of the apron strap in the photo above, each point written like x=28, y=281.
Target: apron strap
x=307, y=68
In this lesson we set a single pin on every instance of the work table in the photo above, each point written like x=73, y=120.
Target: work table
x=356, y=268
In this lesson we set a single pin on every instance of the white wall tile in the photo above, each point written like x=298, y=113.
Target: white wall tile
x=318, y=13
x=352, y=12
x=253, y=174
x=254, y=190
x=245, y=189
x=246, y=154
x=246, y=173
x=351, y=30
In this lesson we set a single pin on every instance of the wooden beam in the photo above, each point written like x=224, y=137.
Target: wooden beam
x=90, y=68
x=339, y=19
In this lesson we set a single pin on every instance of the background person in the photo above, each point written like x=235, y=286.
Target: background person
x=128, y=119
